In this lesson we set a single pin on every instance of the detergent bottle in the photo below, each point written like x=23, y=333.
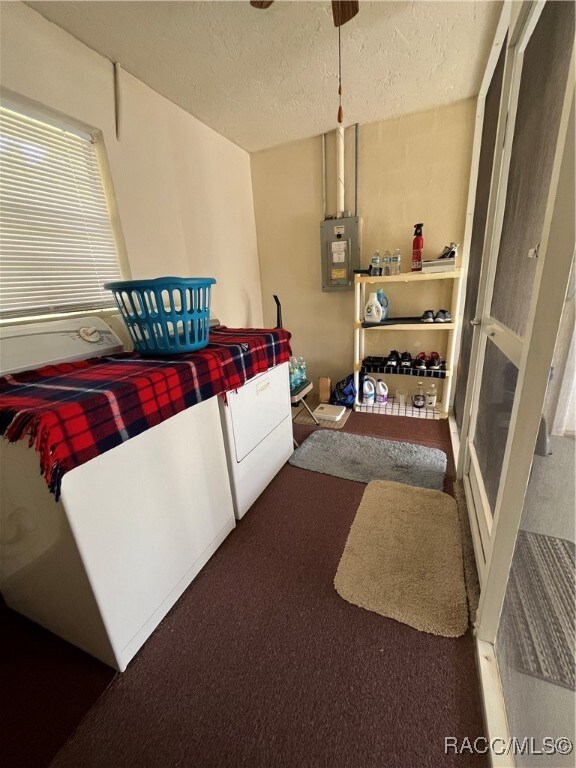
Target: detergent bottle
x=383, y=301
x=373, y=309
x=381, y=394
x=368, y=391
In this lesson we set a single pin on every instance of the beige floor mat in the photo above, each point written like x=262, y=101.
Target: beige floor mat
x=403, y=558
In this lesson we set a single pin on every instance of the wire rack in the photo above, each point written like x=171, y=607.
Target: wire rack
x=393, y=408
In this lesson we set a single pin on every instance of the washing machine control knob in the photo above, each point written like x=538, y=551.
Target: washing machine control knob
x=92, y=335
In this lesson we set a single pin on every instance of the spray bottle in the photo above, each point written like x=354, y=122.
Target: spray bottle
x=417, y=248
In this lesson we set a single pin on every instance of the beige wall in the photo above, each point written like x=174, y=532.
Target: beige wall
x=414, y=168
x=184, y=193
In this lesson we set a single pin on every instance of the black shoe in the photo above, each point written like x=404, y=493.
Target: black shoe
x=442, y=316
x=405, y=360
x=393, y=359
x=446, y=252
x=373, y=364
x=427, y=317
x=433, y=363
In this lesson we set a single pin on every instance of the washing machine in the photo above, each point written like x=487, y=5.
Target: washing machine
x=103, y=566
x=257, y=426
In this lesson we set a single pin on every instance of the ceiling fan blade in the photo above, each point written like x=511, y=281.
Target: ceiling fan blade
x=261, y=3
x=344, y=10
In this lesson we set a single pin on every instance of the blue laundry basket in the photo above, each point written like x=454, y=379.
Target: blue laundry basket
x=167, y=315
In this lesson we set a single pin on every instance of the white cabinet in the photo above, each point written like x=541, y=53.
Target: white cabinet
x=388, y=335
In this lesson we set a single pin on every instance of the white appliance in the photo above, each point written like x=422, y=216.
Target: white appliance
x=257, y=426
x=134, y=526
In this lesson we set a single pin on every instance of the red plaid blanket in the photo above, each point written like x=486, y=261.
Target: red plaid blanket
x=73, y=412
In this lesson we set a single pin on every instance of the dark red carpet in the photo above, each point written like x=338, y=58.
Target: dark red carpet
x=46, y=687
x=262, y=664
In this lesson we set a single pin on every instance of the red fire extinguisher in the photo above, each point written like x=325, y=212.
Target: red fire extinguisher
x=417, y=248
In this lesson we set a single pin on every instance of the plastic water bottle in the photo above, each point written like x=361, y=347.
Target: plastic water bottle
x=302, y=369
x=418, y=399
x=376, y=267
x=395, y=267
x=387, y=261
x=293, y=368
x=431, y=396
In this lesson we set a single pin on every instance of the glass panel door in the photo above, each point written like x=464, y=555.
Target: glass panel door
x=535, y=640
x=496, y=400
x=541, y=56
x=544, y=72
x=485, y=166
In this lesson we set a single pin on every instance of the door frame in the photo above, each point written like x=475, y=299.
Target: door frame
x=495, y=51
x=514, y=347
x=544, y=317
x=512, y=25
x=512, y=22
x=534, y=353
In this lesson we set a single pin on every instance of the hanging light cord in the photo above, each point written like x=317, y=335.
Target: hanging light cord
x=340, y=110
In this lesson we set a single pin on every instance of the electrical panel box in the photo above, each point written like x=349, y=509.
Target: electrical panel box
x=340, y=243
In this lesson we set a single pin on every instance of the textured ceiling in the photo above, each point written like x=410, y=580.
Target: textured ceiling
x=262, y=78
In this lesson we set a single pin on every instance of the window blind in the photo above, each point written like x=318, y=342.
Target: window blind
x=57, y=246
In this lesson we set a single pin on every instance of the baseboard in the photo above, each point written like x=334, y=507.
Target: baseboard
x=476, y=538
x=494, y=708
x=454, y=437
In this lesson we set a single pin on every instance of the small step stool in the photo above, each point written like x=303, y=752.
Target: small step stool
x=297, y=395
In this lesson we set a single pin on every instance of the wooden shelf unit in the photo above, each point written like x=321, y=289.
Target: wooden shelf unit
x=412, y=372
x=408, y=277
x=405, y=324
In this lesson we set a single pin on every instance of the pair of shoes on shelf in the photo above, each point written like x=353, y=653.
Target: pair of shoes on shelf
x=434, y=362
x=370, y=360
x=431, y=362
x=442, y=316
x=449, y=251
x=395, y=360
x=420, y=361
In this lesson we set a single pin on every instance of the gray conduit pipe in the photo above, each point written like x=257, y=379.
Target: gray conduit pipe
x=356, y=132
x=117, y=102
x=324, y=177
